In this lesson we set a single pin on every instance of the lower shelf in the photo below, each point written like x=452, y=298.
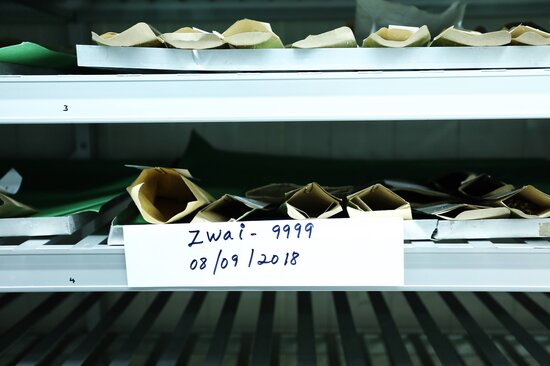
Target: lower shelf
x=90, y=264
x=274, y=328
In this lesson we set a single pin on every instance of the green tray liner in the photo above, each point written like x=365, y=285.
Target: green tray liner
x=32, y=54
x=59, y=188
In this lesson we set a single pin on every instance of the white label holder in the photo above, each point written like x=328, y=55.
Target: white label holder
x=285, y=254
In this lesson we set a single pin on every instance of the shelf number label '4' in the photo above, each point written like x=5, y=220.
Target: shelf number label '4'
x=274, y=254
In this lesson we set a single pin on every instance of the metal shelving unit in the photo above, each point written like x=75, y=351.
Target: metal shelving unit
x=78, y=324
x=83, y=261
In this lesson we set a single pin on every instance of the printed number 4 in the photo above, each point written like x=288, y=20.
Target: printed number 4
x=65, y=108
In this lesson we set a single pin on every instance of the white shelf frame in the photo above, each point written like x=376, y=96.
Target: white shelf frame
x=272, y=97
x=472, y=265
x=294, y=97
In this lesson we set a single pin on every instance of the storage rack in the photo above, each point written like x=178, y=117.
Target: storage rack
x=88, y=332
x=83, y=261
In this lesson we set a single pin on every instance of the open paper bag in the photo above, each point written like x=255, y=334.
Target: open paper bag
x=398, y=37
x=312, y=201
x=229, y=208
x=139, y=35
x=342, y=37
x=529, y=36
x=247, y=33
x=458, y=37
x=188, y=38
x=527, y=202
x=165, y=195
x=378, y=201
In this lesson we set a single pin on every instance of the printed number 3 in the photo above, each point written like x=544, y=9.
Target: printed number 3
x=65, y=108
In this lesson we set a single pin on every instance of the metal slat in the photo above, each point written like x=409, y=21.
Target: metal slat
x=172, y=352
x=16, y=359
x=332, y=350
x=187, y=351
x=511, y=351
x=156, y=351
x=7, y=299
x=531, y=345
x=20, y=328
x=99, y=357
x=49, y=342
x=276, y=350
x=140, y=331
x=219, y=341
x=397, y=351
x=533, y=307
x=261, y=351
x=481, y=341
x=306, y=330
x=246, y=348
x=440, y=343
x=420, y=350
x=56, y=353
x=86, y=348
x=353, y=352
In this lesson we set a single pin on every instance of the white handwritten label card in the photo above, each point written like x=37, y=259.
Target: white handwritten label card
x=257, y=254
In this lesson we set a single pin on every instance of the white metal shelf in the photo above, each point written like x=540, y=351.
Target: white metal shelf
x=258, y=97
x=468, y=265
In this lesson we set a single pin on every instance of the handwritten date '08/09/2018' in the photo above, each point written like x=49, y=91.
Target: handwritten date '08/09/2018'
x=280, y=232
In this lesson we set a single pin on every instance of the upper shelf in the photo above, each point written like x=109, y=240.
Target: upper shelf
x=257, y=97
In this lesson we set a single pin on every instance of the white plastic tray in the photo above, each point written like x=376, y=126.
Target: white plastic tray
x=327, y=59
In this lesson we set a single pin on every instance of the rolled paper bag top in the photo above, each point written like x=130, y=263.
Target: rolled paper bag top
x=398, y=37
x=461, y=37
x=312, y=201
x=229, y=208
x=138, y=35
x=342, y=37
x=193, y=39
x=526, y=35
x=378, y=201
x=248, y=33
x=527, y=202
x=166, y=195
